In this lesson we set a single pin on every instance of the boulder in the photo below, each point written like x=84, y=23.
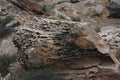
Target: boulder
x=73, y=47
x=60, y=37
x=28, y=5
x=111, y=35
x=84, y=9
x=3, y=11
x=114, y=7
x=7, y=47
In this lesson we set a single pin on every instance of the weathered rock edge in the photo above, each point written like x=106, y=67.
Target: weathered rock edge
x=43, y=42
x=61, y=37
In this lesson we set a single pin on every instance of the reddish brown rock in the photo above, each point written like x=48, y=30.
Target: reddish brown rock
x=28, y=5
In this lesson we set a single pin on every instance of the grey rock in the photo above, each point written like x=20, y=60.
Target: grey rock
x=13, y=23
x=114, y=7
x=107, y=28
x=114, y=3
x=99, y=9
x=43, y=42
x=58, y=38
x=7, y=46
x=47, y=31
x=112, y=36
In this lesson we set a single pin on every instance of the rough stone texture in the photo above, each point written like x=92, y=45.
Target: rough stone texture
x=58, y=34
x=28, y=5
x=78, y=74
x=89, y=2
x=99, y=9
x=73, y=46
x=112, y=36
x=79, y=66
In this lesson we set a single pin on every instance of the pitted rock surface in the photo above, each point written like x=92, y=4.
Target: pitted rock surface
x=72, y=46
x=56, y=35
x=61, y=39
x=112, y=36
x=28, y=5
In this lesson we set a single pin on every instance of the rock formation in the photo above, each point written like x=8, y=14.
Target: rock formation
x=28, y=5
x=112, y=36
x=114, y=7
x=74, y=46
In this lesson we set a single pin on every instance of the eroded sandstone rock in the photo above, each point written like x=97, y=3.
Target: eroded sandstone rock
x=53, y=33
x=59, y=38
x=72, y=46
